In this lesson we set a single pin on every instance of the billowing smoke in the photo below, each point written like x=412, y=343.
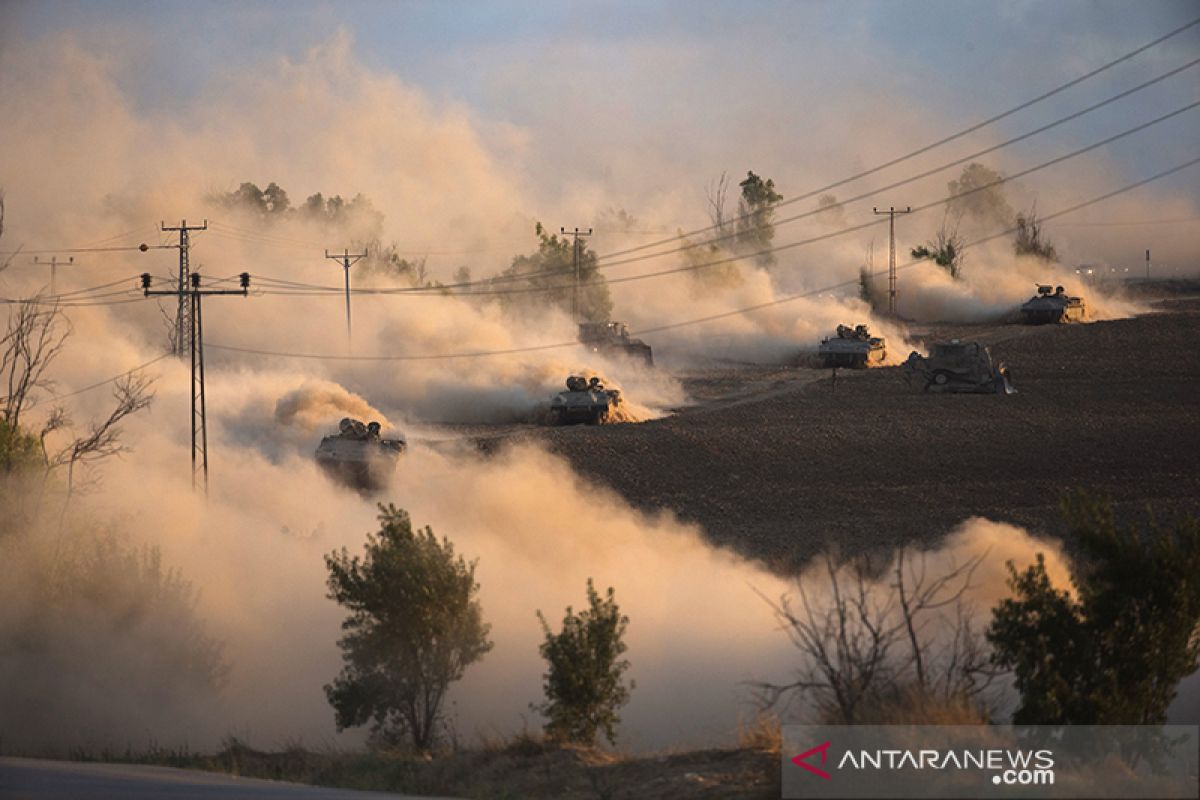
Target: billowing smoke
x=85, y=163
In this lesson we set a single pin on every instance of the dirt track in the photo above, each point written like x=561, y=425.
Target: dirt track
x=775, y=464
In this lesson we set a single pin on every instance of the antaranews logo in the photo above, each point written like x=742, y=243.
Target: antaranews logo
x=1008, y=766
x=988, y=761
x=802, y=760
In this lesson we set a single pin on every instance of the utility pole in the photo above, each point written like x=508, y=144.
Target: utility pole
x=347, y=263
x=183, y=325
x=53, y=262
x=575, y=259
x=892, y=212
x=192, y=295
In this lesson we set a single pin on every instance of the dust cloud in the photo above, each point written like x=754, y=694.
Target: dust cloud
x=699, y=628
x=85, y=164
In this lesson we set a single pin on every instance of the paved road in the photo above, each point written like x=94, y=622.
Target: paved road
x=35, y=779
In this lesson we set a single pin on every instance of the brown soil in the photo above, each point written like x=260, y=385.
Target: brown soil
x=777, y=463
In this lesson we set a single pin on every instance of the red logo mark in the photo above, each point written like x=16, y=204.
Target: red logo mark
x=823, y=749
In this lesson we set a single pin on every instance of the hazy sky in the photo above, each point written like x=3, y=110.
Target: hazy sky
x=610, y=103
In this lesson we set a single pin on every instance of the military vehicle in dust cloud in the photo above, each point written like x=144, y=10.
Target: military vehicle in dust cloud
x=852, y=347
x=585, y=401
x=1051, y=305
x=956, y=366
x=613, y=337
x=358, y=456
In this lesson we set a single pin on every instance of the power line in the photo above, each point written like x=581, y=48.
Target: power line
x=87, y=249
x=945, y=140
x=712, y=317
x=1111, y=223
x=919, y=176
x=690, y=245
x=894, y=185
x=602, y=259
x=443, y=290
x=118, y=377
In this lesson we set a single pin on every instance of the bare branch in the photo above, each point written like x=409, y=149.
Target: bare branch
x=716, y=192
x=133, y=393
x=851, y=665
x=33, y=339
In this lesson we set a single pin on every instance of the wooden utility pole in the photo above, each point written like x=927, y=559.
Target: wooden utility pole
x=347, y=260
x=892, y=212
x=575, y=260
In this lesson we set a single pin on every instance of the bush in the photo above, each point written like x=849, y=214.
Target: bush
x=583, y=686
x=1114, y=651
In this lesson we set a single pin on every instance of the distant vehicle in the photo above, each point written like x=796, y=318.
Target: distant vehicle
x=852, y=347
x=584, y=401
x=1051, y=305
x=358, y=456
x=958, y=367
x=610, y=337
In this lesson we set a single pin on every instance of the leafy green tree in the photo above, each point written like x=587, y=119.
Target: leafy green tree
x=946, y=250
x=985, y=205
x=415, y=625
x=584, y=686
x=552, y=269
x=1114, y=651
x=756, y=212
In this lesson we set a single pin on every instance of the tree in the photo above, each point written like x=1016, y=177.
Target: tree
x=946, y=249
x=978, y=195
x=877, y=644
x=716, y=193
x=1029, y=240
x=584, y=686
x=756, y=211
x=415, y=625
x=1114, y=651
x=552, y=270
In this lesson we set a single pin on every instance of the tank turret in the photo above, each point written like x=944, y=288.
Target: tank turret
x=852, y=346
x=358, y=455
x=585, y=401
x=1051, y=305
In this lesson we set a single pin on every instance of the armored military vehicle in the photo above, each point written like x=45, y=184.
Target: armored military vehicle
x=1052, y=304
x=586, y=401
x=358, y=456
x=852, y=347
x=613, y=337
x=956, y=366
